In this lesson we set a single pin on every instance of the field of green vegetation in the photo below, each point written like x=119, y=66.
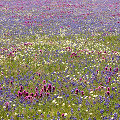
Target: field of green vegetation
x=47, y=76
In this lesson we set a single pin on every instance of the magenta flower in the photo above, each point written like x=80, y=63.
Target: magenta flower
x=96, y=88
x=36, y=88
x=71, y=56
x=7, y=104
x=63, y=115
x=44, y=81
x=108, y=89
x=53, y=88
x=26, y=93
x=21, y=87
x=35, y=95
x=48, y=94
x=49, y=87
x=41, y=51
x=82, y=92
x=44, y=88
x=110, y=69
x=109, y=79
x=108, y=92
x=80, y=79
x=11, y=82
x=39, y=74
x=31, y=94
x=97, y=71
x=106, y=68
x=40, y=95
x=99, y=87
x=76, y=91
x=117, y=69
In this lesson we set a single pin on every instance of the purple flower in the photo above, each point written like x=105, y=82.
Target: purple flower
x=113, y=88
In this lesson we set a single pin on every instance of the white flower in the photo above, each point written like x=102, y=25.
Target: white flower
x=59, y=97
x=16, y=113
x=80, y=105
x=53, y=101
x=91, y=92
x=95, y=95
x=69, y=106
x=13, y=105
x=90, y=113
x=63, y=104
x=4, y=107
x=40, y=104
x=85, y=97
x=65, y=114
x=39, y=110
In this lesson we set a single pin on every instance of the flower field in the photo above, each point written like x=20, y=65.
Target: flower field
x=59, y=60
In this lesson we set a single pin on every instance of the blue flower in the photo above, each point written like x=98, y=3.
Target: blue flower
x=101, y=111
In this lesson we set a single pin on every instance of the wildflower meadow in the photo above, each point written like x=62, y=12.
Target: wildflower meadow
x=59, y=60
